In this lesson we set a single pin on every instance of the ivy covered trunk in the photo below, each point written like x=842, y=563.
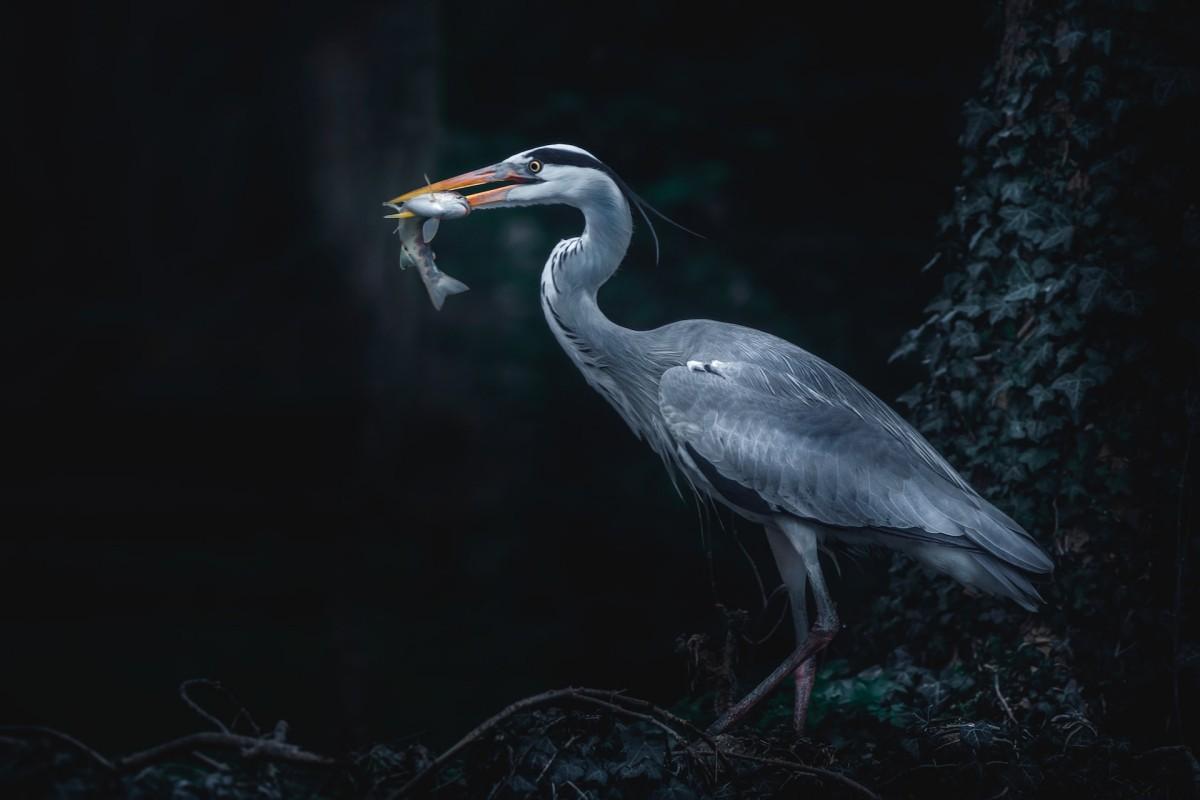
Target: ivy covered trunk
x=1061, y=358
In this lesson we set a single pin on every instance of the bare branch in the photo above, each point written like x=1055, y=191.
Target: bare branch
x=805, y=769
x=606, y=699
x=200, y=710
x=249, y=747
x=62, y=737
x=1003, y=703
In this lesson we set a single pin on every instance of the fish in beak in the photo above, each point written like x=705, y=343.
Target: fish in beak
x=497, y=173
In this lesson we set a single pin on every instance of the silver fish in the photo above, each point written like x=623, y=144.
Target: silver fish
x=435, y=206
x=418, y=230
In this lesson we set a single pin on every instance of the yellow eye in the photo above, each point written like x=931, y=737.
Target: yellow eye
x=535, y=166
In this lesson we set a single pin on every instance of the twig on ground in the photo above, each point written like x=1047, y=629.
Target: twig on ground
x=249, y=747
x=598, y=697
x=194, y=706
x=674, y=719
x=674, y=734
x=212, y=762
x=805, y=769
x=62, y=737
x=623, y=704
x=578, y=791
x=1000, y=695
x=1181, y=750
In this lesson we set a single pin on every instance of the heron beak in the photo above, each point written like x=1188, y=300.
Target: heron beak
x=493, y=174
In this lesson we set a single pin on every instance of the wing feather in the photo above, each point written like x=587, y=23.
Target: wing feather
x=799, y=446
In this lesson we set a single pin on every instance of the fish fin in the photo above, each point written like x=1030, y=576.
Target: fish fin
x=429, y=229
x=443, y=287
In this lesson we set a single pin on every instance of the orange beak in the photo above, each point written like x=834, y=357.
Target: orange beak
x=479, y=177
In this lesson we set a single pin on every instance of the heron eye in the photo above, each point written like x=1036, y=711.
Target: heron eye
x=535, y=166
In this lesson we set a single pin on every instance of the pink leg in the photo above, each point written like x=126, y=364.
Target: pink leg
x=804, y=676
x=817, y=640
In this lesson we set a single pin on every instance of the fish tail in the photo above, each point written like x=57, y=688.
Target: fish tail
x=443, y=287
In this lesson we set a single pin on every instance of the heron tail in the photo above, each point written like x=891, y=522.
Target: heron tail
x=978, y=568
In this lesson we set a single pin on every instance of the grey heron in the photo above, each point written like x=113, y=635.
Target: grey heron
x=756, y=423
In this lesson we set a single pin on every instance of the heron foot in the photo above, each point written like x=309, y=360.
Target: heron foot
x=804, y=677
x=818, y=639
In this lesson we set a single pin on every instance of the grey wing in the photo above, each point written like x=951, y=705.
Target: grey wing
x=824, y=462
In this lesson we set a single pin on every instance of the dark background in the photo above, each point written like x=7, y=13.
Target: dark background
x=240, y=444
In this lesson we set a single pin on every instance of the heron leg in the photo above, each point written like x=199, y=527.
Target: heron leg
x=804, y=540
x=795, y=578
x=794, y=546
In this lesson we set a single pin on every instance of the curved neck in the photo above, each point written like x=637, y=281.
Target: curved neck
x=577, y=268
x=611, y=357
x=584, y=264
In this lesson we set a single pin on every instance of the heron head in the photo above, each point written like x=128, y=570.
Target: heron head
x=559, y=173
x=556, y=173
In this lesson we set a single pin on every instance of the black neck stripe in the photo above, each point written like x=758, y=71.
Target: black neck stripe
x=567, y=158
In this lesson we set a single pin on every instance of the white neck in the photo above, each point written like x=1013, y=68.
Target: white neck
x=574, y=273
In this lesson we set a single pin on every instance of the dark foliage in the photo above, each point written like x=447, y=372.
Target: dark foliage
x=1062, y=363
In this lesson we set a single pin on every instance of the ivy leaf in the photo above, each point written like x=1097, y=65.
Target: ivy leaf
x=1073, y=386
x=998, y=310
x=964, y=336
x=1041, y=267
x=976, y=237
x=1039, y=394
x=1035, y=429
x=1000, y=388
x=1014, y=473
x=1067, y=42
x=913, y=397
x=1037, y=457
x=1013, y=191
x=907, y=347
x=964, y=369
x=1018, y=218
x=1040, y=355
x=975, y=205
x=980, y=120
x=1058, y=236
x=989, y=249
x=1027, y=292
x=1089, y=291
x=976, y=268
x=1085, y=133
x=1066, y=354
